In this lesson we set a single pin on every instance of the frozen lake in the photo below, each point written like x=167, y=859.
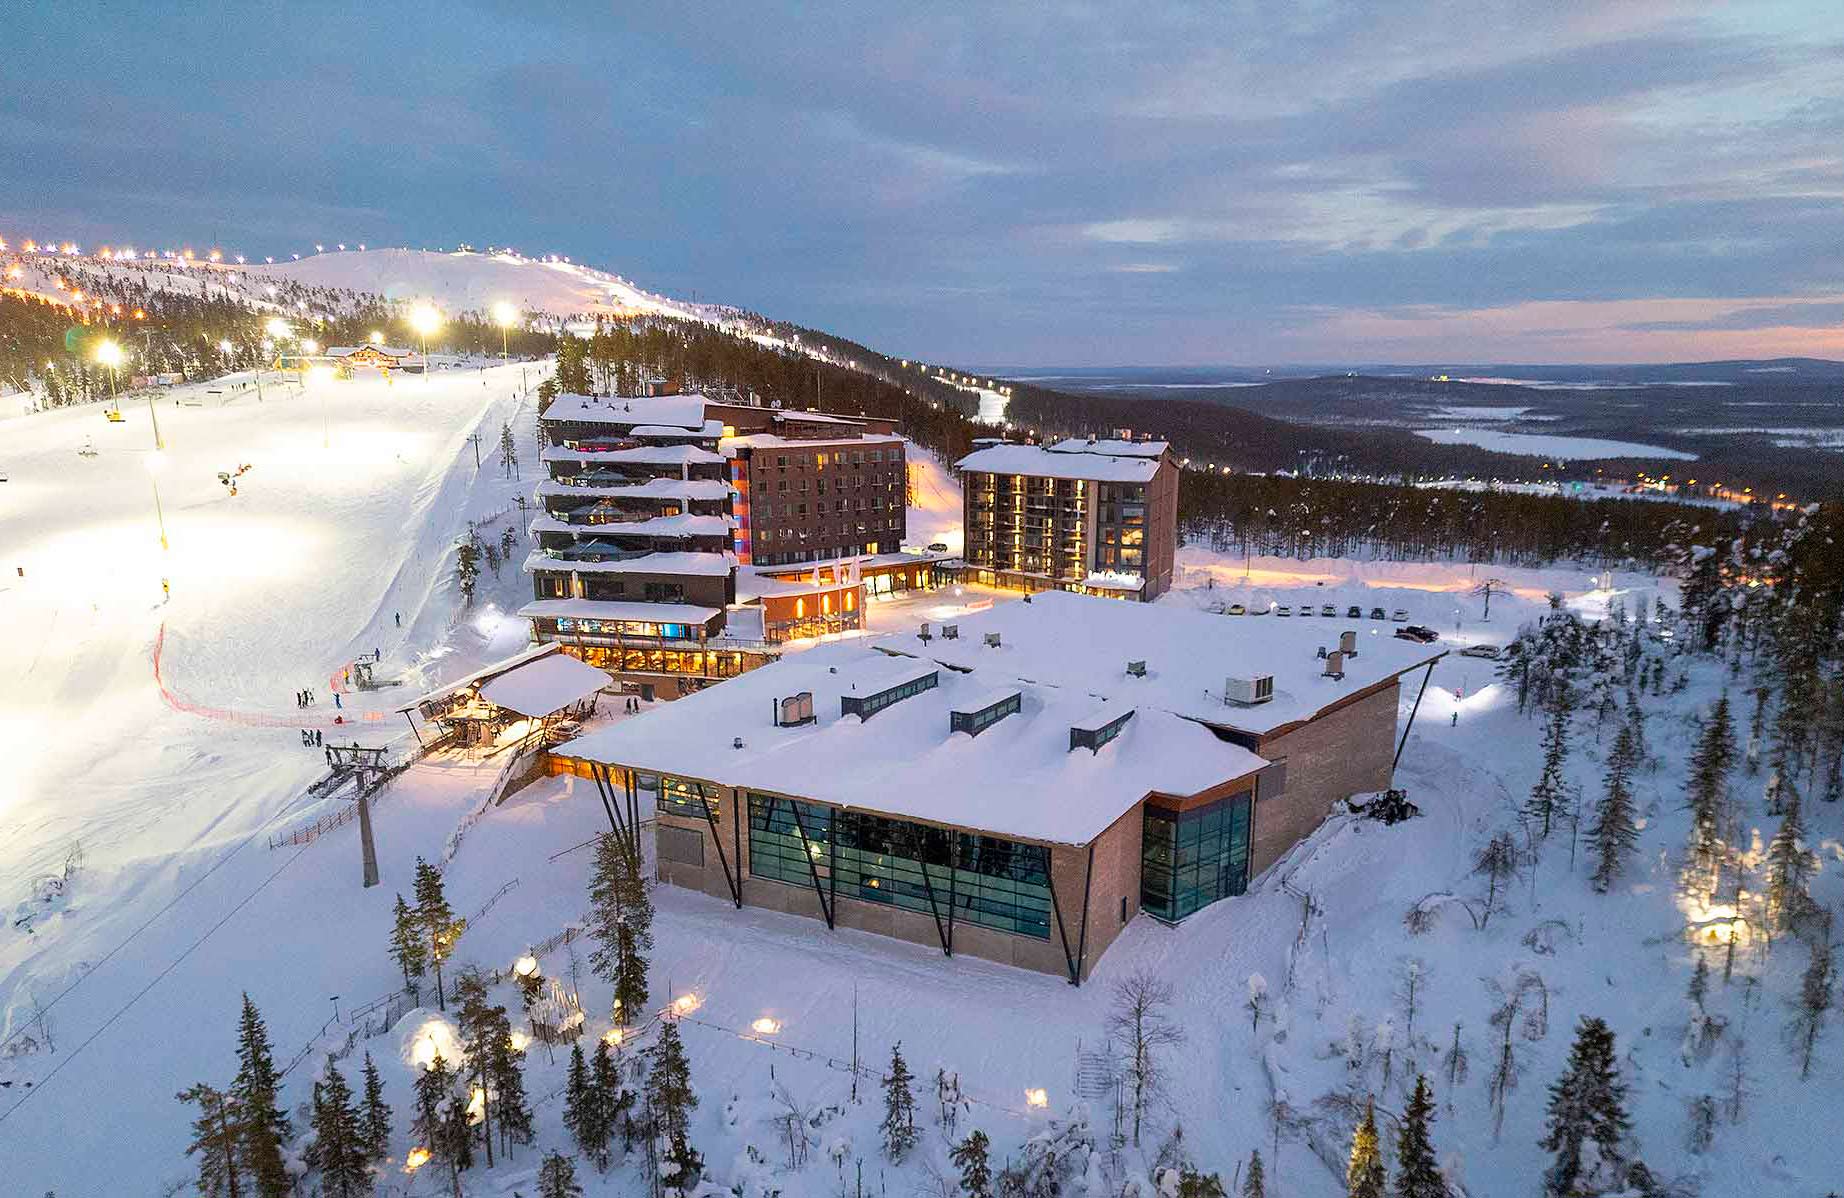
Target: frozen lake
x=1547, y=446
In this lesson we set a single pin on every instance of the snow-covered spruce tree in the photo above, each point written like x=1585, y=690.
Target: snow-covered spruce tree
x=580, y=1110
x=1709, y=787
x=614, y=1099
x=375, y=1115
x=265, y=1127
x=1789, y=868
x=467, y=568
x=441, y=930
x=1546, y=796
x=508, y=540
x=670, y=1103
x=506, y=1082
x=339, y=1139
x=1417, y=1174
x=1700, y=1124
x=621, y=924
x=1613, y=834
x=409, y=947
x=477, y=1028
x=899, y=1126
x=217, y=1141
x=440, y=1125
x=1254, y=1183
x=1140, y=1020
x=1497, y=863
x=1635, y=718
x=1364, y=1177
x=508, y=452
x=970, y=1157
x=1587, y=1107
x=1814, y=1001
x=557, y=1177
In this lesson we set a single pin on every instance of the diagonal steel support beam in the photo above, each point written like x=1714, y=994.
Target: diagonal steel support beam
x=1405, y=728
x=717, y=839
x=1056, y=910
x=806, y=850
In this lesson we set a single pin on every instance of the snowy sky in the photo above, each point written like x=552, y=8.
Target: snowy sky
x=1028, y=185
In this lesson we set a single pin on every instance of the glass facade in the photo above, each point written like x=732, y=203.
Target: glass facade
x=994, y=883
x=676, y=796
x=1190, y=859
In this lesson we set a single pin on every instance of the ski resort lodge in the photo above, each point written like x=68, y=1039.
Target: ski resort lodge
x=1016, y=786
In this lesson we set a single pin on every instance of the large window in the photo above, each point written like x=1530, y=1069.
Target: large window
x=677, y=796
x=993, y=882
x=1191, y=859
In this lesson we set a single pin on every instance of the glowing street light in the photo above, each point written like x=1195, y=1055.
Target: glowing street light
x=504, y=315
x=425, y=320
x=278, y=329
x=110, y=355
x=765, y=1026
x=1037, y=1098
x=525, y=966
x=377, y=338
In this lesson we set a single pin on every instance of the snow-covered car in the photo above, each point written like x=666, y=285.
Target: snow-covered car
x=1283, y=610
x=1328, y=611
x=1489, y=652
x=1420, y=634
x=1376, y=613
x=1258, y=611
x=1306, y=609
x=1399, y=615
x=1236, y=609
x=1354, y=612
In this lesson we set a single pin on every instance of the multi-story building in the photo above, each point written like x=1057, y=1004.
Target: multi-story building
x=1016, y=786
x=1094, y=516
x=811, y=487
x=633, y=567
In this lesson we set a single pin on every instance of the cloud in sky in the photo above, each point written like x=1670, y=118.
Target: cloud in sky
x=1067, y=183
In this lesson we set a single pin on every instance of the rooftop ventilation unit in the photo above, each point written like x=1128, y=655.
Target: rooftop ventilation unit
x=980, y=712
x=794, y=710
x=1249, y=691
x=895, y=688
x=950, y=632
x=923, y=635
x=1136, y=669
x=992, y=640
x=1098, y=728
x=1335, y=665
x=1347, y=642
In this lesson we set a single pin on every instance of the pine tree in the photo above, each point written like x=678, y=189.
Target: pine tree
x=614, y=1102
x=1709, y=785
x=441, y=1119
x=467, y=568
x=1789, y=868
x=1587, y=1104
x=1364, y=1177
x=1814, y=1001
x=621, y=924
x=670, y=1101
x=440, y=928
x=409, y=947
x=1614, y=832
x=557, y=1177
x=970, y=1157
x=257, y=1091
x=1497, y=863
x=1417, y=1175
x=506, y=1082
x=1253, y=1183
x=217, y=1138
x=478, y=1029
x=1546, y=796
x=1636, y=724
x=508, y=452
x=582, y=1112
x=375, y=1115
x=899, y=1125
x=1699, y=983
x=339, y=1145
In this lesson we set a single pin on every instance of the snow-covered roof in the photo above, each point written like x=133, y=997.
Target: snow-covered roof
x=1083, y=643
x=493, y=671
x=546, y=685
x=642, y=455
x=651, y=488
x=681, y=411
x=776, y=441
x=1110, y=447
x=1017, y=778
x=346, y=351
x=682, y=525
x=712, y=428
x=1033, y=460
x=615, y=609
x=675, y=562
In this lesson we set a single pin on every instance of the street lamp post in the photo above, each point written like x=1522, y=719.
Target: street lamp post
x=110, y=355
x=504, y=314
x=425, y=320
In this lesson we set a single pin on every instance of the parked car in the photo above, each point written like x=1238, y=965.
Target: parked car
x=1489, y=652
x=1283, y=610
x=1328, y=611
x=1354, y=612
x=1418, y=633
x=1306, y=609
x=938, y=547
x=1376, y=613
x=1399, y=615
x=1258, y=610
x=1236, y=609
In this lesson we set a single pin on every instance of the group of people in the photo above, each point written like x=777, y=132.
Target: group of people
x=311, y=737
x=633, y=705
x=304, y=698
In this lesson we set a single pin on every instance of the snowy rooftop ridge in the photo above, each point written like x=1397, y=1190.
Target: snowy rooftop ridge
x=1017, y=778
x=678, y=561
x=1109, y=447
x=652, y=488
x=678, y=411
x=639, y=455
x=1042, y=463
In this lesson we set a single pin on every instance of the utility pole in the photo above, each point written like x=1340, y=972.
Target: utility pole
x=476, y=440
x=368, y=848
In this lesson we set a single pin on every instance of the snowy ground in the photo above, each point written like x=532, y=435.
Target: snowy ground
x=170, y=785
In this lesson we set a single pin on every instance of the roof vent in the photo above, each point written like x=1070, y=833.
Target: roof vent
x=1137, y=669
x=950, y=632
x=992, y=640
x=923, y=636
x=737, y=743
x=973, y=716
x=1335, y=665
x=794, y=710
x=1250, y=690
x=1321, y=653
x=1098, y=728
x=1347, y=642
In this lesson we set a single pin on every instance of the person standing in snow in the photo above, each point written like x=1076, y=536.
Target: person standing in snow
x=336, y=701
x=399, y=616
